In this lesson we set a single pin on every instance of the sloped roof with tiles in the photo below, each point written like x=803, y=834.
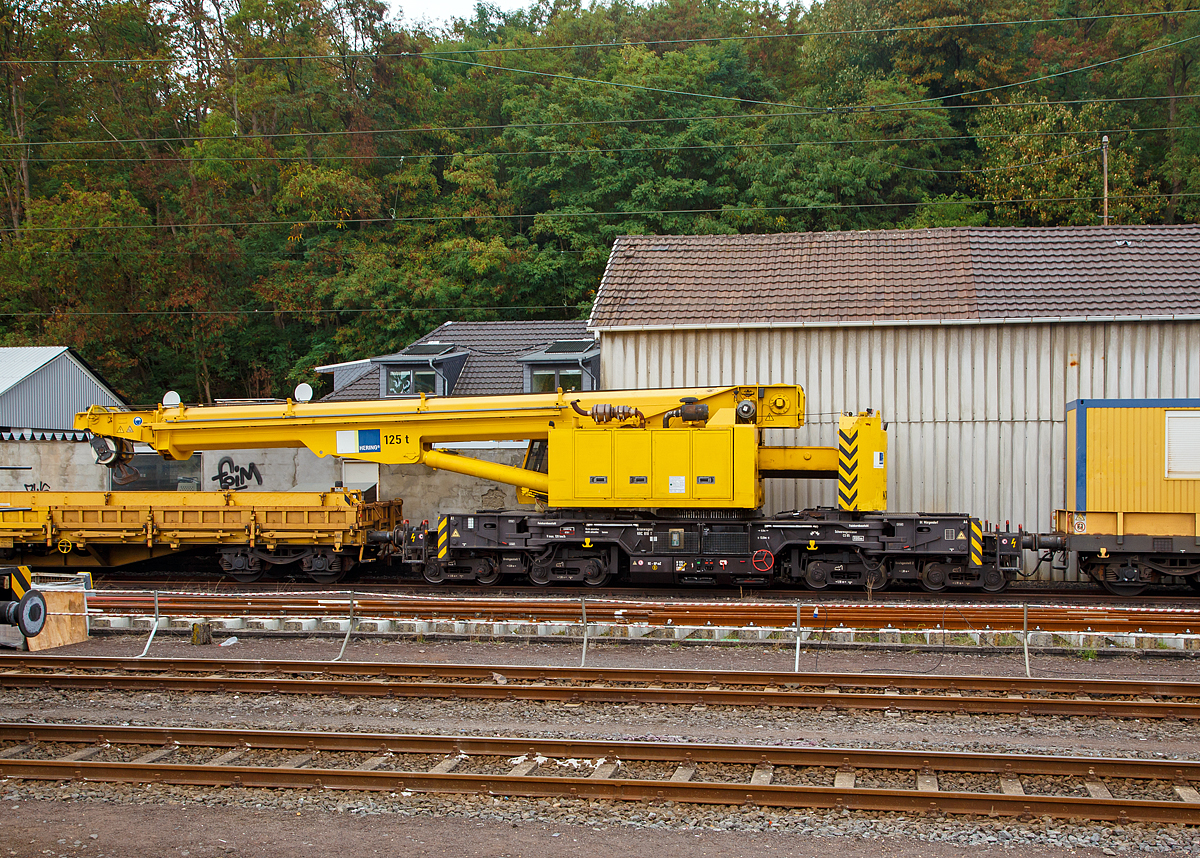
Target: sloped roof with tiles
x=899, y=276
x=493, y=365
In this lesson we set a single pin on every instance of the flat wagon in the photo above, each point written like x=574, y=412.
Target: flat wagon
x=322, y=533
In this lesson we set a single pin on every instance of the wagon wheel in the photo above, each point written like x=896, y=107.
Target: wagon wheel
x=816, y=575
x=995, y=581
x=934, y=577
x=434, y=573
x=328, y=576
x=486, y=572
x=1124, y=588
x=247, y=576
x=595, y=574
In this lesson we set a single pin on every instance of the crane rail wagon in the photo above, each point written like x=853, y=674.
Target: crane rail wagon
x=652, y=486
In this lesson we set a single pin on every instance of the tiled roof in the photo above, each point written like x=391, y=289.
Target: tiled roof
x=365, y=385
x=494, y=348
x=896, y=275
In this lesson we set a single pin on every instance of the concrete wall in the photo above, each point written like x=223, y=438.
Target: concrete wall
x=274, y=470
x=427, y=492
x=59, y=466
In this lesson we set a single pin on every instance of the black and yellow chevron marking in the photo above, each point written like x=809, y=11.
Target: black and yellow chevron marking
x=976, y=544
x=21, y=581
x=443, y=538
x=847, y=470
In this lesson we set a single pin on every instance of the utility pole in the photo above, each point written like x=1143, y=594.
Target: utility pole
x=1104, y=159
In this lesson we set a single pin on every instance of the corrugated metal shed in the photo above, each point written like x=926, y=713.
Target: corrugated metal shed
x=42, y=387
x=976, y=407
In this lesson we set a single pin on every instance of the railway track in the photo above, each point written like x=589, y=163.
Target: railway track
x=1022, y=785
x=829, y=616
x=1093, y=698
x=1180, y=596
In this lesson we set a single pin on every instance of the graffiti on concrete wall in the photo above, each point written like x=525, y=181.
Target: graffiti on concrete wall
x=231, y=476
x=39, y=486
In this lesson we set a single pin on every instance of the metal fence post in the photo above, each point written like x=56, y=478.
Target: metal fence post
x=583, y=610
x=154, y=630
x=1025, y=636
x=796, y=666
x=349, y=629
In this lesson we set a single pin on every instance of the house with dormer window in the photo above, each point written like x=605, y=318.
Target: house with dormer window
x=476, y=358
x=465, y=359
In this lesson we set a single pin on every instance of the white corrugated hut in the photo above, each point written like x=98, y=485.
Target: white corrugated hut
x=42, y=387
x=971, y=341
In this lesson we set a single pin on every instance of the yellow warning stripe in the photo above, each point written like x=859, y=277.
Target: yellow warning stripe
x=976, y=544
x=847, y=470
x=443, y=539
x=22, y=581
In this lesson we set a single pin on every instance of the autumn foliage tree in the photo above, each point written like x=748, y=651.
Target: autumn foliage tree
x=218, y=196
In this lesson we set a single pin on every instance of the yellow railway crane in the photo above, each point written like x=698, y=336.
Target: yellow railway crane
x=697, y=448
x=654, y=486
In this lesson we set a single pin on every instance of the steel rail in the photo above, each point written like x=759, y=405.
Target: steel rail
x=750, y=792
x=1100, y=698
x=996, y=618
x=654, y=675
x=216, y=584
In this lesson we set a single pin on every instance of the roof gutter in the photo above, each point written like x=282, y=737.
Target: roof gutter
x=896, y=323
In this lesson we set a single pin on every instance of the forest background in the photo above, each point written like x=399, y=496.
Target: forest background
x=217, y=196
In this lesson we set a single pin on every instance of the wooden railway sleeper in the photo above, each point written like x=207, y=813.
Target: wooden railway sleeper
x=84, y=753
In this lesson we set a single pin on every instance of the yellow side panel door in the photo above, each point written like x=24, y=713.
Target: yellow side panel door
x=671, y=479
x=631, y=464
x=712, y=463
x=593, y=463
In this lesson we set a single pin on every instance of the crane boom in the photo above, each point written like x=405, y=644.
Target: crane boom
x=687, y=447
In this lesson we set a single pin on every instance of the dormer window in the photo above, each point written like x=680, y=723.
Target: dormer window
x=567, y=364
x=425, y=368
x=404, y=382
x=550, y=380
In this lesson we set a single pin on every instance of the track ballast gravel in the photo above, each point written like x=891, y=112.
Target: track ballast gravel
x=41, y=818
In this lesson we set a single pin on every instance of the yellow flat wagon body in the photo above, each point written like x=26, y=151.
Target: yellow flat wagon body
x=112, y=529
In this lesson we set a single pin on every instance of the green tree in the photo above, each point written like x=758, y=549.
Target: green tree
x=1044, y=160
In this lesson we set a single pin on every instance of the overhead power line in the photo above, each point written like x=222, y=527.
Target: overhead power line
x=239, y=311
x=625, y=150
x=559, y=215
x=798, y=107
x=867, y=31
x=579, y=123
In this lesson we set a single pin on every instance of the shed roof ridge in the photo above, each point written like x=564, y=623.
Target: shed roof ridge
x=49, y=354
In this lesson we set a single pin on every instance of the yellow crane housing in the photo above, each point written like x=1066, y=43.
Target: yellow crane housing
x=674, y=448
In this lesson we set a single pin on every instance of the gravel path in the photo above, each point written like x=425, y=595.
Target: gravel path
x=38, y=819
